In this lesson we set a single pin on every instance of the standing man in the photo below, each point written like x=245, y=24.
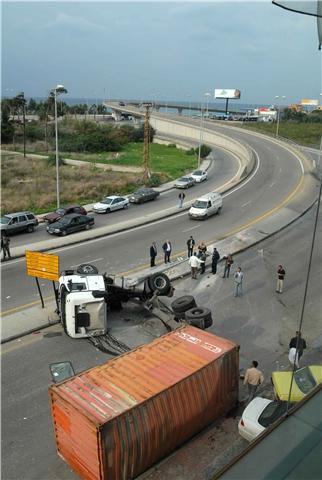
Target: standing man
x=299, y=343
x=5, y=245
x=166, y=247
x=280, y=279
x=253, y=378
x=228, y=263
x=238, y=278
x=153, y=254
x=190, y=244
x=214, y=260
x=181, y=197
x=194, y=263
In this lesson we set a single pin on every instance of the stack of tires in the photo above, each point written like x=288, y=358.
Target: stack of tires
x=185, y=308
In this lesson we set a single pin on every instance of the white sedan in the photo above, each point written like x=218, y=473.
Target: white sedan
x=199, y=176
x=108, y=204
x=259, y=414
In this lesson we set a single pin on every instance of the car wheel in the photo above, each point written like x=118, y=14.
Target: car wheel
x=184, y=303
x=159, y=282
x=199, y=317
x=87, y=227
x=30, y=228
x=108, y=210
x=125, y=206
x=64, y=233
x=86, y=268
x=218, y=211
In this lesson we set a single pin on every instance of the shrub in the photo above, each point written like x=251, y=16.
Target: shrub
x=172, y=145
x=51, y=159
x=204, y=151
x=191, y=151
x=155, y=180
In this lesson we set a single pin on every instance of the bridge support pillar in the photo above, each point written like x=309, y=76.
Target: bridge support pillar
x=180, y=110
x=116, y=115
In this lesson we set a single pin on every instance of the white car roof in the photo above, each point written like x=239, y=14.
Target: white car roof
x=207, y=196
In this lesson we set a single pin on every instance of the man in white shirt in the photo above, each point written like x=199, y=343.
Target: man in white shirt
x=194, y=263
x=238, y=279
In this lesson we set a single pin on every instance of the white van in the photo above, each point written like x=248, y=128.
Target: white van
x=206, y=206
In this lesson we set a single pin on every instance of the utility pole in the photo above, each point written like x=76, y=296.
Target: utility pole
x=146, y=151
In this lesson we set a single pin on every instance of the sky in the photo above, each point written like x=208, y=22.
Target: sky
x=159, y=50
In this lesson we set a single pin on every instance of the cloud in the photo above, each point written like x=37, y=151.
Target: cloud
x=64, y=20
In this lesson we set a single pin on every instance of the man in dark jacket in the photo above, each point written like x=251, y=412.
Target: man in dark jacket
x=214, y=261
x=153, y=254
x=5, y=245
x=190, y=244
x=299, y=343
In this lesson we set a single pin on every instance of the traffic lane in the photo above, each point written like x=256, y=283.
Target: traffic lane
x=27, y=430
x=260, y=322
x=221, y=170
x=125, y=251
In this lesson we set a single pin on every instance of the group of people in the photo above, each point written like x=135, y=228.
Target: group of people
x=254, y=377
x=166, y=247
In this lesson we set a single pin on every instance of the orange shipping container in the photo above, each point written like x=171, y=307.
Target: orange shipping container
x=114, y=421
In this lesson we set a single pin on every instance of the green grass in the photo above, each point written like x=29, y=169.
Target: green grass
x=169, y=160
x=301, y=133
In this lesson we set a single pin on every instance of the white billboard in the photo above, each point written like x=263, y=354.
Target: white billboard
x=227, y=93
x=309, y=102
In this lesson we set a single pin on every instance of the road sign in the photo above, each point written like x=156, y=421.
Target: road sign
x=42, y=265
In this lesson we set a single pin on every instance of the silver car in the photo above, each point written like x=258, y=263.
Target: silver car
x=108, y=204
x=18, y=222
x=184, y=182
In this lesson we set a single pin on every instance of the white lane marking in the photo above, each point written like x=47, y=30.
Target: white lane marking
x=247, y=203
x=87, y=261
x=271, y=184
x=192, y=228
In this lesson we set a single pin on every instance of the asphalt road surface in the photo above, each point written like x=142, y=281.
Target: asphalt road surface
x=262, y=322
x=277, y=174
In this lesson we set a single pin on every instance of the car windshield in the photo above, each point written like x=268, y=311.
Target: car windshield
x=200, y=204
x=64, y=221
x=5, y=219
x=184, y=179
x=304, y=380
x=271, y=413
x=139, y=192
x=60, y=211
x=197, y=172
x=107, y=200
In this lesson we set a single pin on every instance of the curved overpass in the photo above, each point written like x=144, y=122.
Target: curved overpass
x=280, y=185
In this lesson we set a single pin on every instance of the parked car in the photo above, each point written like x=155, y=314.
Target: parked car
x=199, y=176
x=305, y=379
x=143, y=195
x=184, y=182
x=18, y=222
x=259, y=414
x=74, y=222
x=108, y=204
x=62, y=211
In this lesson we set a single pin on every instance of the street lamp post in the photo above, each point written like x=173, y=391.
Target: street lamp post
x=278, y=114
x=200, y=136
x=62, y=88
x=207, y=95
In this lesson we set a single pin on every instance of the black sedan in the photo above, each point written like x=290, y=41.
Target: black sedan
x=143, y=195
x=71, y=223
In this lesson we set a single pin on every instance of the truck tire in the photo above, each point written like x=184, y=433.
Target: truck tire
x=86, y=268
x=184, y=303
x=199, y=317
x=159, y=282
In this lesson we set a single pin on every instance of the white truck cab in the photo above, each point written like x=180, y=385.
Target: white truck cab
x=206, y=206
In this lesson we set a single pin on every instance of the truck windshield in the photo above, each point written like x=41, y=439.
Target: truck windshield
x=200, y=204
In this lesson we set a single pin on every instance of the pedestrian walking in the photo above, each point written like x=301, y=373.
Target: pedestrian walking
x=190, y=245
x=214, y=260
x=194, y=263
x=298, y=343
x=238, y=279
x=153, y=254
x=5, y=245
x=167, y=247
x=253, y=378
x=181, y=197
x=280, y=279
x=228, y=263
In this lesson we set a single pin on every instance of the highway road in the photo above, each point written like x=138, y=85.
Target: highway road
x=262, y=322
x=276, y=178
x=223, y=168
